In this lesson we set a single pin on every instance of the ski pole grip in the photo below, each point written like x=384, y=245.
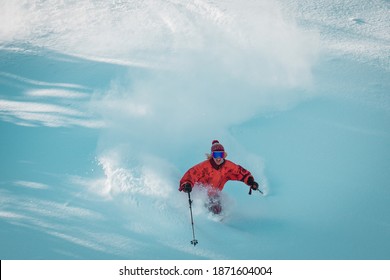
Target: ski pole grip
x=250, y=190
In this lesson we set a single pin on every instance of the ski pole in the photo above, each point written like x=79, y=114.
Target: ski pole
x=250, y=191
x=193, y=241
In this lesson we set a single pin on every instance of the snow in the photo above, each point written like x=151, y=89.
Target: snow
x=105, y=105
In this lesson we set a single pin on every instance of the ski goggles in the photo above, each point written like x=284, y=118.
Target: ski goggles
x=218, y=154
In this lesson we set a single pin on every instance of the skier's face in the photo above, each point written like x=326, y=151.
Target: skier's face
x=218, y=160
x=218, y=157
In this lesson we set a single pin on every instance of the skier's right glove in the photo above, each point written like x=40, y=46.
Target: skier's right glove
x=186, y=188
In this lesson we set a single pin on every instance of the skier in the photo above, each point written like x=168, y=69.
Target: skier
x=213, y=173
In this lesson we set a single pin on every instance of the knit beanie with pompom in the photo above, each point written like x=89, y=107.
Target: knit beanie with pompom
x=217, y=147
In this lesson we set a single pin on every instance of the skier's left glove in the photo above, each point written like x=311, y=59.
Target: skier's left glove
x=255, y=186
x=251, y=182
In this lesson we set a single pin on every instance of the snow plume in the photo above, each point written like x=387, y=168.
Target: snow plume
x=159, y=33
x=207, y=64
x=214, y=66
x=146, y=180
x=198, y=68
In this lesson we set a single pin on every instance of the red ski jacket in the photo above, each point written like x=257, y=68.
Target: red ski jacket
x=209, y=174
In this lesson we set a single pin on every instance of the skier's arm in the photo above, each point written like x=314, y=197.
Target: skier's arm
x=239, y=173
x=192, y=176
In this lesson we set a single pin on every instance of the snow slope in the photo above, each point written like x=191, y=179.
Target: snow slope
x=104, y=105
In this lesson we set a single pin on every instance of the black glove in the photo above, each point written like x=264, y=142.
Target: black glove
x=252, y=183
x=254, y=186
x=187, y=188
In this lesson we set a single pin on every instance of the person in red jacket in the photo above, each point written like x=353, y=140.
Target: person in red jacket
x=213, y=174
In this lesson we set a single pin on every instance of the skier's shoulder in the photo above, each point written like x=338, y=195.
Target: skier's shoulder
x=201, y=164
x=229, y=163
x=232, y=166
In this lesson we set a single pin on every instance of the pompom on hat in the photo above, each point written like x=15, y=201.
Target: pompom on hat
x=216, y=146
